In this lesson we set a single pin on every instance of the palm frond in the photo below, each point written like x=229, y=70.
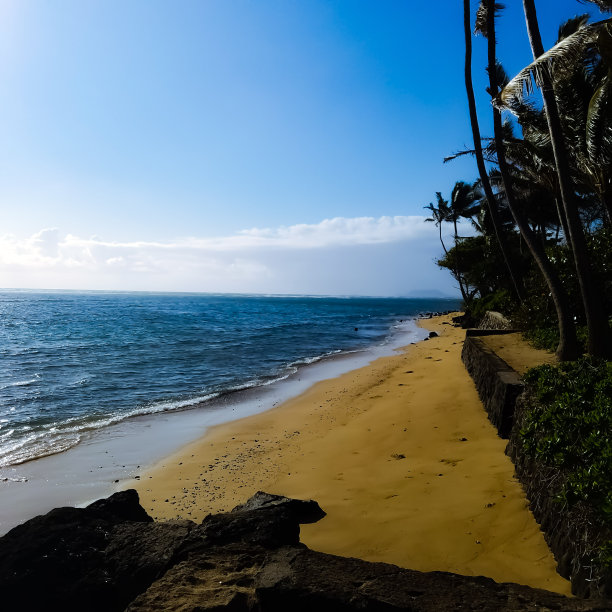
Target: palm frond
x=565, y=54
x=604, y=44
x=605, y=6
x=440, y=212
x=599, y=111
x=480, y=27
x=501, y=78
x=508, y=130
x=488, y=152
x=463, y=201
x=458, y=154
x=572, y=25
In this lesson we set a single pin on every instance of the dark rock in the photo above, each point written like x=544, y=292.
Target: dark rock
x=498, y=385
x=302, y=511
x=249, y=559
x=98, y=558
x=433, y=334
x=308, y=580
x=121, y=506
x=266, y=520
x=495, y=321
x=464, y=321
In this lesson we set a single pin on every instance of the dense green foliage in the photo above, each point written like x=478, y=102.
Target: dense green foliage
x=541, y=252
x=542, y=205
x=498, y=301
x=570, y=427
x=482, y=269
x=547, y=338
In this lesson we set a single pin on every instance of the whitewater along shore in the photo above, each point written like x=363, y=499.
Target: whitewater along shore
x=400, y=455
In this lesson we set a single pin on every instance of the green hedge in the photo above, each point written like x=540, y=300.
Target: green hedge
x=570, y=427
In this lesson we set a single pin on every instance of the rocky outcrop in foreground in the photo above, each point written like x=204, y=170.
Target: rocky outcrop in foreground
x=112, y=556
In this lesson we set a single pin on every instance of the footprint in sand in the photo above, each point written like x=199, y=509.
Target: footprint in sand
x=452, y=462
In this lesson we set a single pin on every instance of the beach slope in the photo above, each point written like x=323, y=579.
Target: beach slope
x=400, y=455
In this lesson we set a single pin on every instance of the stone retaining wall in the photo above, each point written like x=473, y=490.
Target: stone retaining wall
x=573, y=535
x=498, y=385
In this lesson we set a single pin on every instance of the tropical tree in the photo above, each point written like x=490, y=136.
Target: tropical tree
x=464, y=203
x=441, y=212
x=583, y=89
x=597, y=324
x=484, y=178
x=568, y=345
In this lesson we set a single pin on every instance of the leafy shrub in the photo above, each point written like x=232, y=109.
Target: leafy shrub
x=570, y=427
x=547, y=338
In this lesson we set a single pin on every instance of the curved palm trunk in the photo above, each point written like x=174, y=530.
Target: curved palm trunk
x=462, y=287
x=482, y=171
x=455, y=271
x=442, y=241
x=562, y=218
x=606, y=200
x=599, y=331
x=568, y=344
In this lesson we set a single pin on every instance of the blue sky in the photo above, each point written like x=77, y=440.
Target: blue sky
x=276, y=146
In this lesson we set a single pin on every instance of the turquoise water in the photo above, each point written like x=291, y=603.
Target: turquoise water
x=76, y=362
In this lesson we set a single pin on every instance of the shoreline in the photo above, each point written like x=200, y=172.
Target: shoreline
x=214, y=399
x=108, y=458
x=399, y=453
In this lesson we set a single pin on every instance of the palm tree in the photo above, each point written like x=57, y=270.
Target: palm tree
x=583, y=88
x=464, y=203
x=568, y=344
x=442, y=213
x=484, y=178
x=597, y=323
x=439, y=215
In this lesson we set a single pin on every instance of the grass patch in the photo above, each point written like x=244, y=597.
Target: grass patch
x=547, y=338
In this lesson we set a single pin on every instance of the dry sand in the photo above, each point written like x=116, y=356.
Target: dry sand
x=401, y=456
x=517, y=353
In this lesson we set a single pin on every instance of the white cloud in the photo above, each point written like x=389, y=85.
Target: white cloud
x=254, y=260
x=47, y=248
x=339, y=231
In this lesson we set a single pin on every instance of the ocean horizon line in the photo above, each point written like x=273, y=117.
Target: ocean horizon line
x=423, y=296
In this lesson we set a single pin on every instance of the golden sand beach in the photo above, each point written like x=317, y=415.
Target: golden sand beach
x=401, y=456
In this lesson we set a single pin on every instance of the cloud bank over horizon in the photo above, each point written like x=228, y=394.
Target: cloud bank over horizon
x=362, y=255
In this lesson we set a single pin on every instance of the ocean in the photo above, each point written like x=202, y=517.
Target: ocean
x=76, y=362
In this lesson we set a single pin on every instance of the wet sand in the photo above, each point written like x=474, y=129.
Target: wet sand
x=401, y=456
